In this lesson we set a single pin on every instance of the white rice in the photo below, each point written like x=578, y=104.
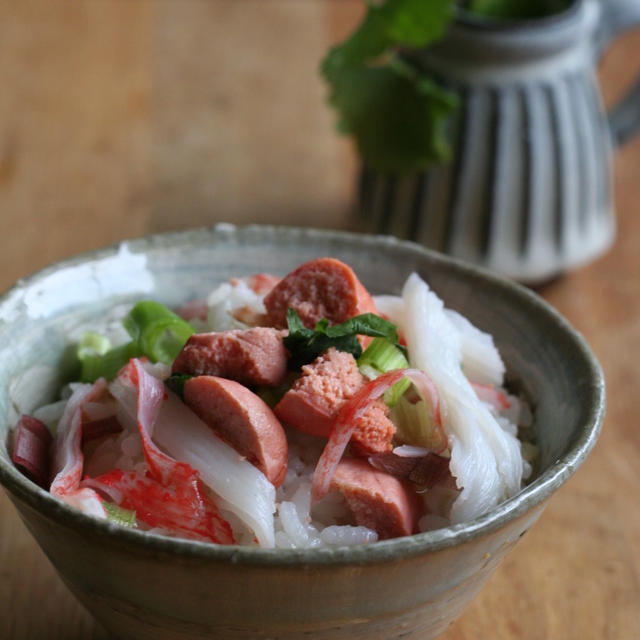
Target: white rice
x=228, y=299
x=297, y=524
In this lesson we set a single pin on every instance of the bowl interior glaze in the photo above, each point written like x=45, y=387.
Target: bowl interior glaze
x=545, y=357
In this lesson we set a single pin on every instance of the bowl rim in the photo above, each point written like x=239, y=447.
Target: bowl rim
x=532, y=495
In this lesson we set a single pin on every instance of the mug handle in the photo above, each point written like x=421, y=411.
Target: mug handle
x=618, y=16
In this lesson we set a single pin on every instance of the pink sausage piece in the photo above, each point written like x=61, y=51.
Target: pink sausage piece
x=321, y=288
x=312, y=403
x=425, y=471
x=243, y=420
x=31, y=449
x=377, y=499
x=253, y=357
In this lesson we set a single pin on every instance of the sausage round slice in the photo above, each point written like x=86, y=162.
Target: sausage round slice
x=321, y=288
x=242, y=419
x=253, y=357
x=377, y=499
x=313, y=401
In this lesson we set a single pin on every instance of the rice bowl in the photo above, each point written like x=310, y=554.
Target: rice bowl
x=378, y=589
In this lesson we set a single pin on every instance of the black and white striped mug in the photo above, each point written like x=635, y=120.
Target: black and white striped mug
x=528, y=190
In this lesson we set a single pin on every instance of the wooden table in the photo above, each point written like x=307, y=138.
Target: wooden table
x=123, y=118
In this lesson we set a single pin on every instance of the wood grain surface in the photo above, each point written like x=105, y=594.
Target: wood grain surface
x=120, y=118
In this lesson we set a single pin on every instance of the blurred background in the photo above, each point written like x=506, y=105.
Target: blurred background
x=120, y=118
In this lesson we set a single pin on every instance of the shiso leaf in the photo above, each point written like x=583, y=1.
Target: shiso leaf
x=176, y=382
x=305, y=345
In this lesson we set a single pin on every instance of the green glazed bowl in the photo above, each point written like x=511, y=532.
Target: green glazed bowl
x=143, y=586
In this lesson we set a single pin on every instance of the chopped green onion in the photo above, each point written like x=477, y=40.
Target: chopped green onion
x=120, y=516
x=369, y=372
x=108, y=364
x=415, y=423
x=92, y=343
x=381, y=356
x=156, y=332
x=159, y=332
x=392, y=395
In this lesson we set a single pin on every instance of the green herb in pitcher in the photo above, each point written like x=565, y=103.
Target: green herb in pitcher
x=397, y=113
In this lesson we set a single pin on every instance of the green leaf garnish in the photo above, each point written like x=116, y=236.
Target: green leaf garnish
x=396, y=113
x=176, y=382
x=305, y=345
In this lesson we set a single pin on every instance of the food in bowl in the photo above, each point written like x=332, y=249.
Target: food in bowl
x=140, y=585
x=293, y=412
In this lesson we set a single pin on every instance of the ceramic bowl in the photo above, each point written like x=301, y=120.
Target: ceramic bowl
x=143, y=586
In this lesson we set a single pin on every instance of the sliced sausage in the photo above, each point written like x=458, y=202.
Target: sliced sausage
x=241, y=418
x=425, y=471
x=377, y=499
x=321, y=288
x=374, y=431
x=31, y=449
x=313, y=401
x=252, y=357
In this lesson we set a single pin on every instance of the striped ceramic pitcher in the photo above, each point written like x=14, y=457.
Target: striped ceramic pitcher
x=528, y=190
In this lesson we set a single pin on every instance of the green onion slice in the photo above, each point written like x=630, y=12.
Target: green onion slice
x=91, y=343
x=159, y=332
x=107, y=365
x=120, y=516
x=379, y=357
x=156, y=332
